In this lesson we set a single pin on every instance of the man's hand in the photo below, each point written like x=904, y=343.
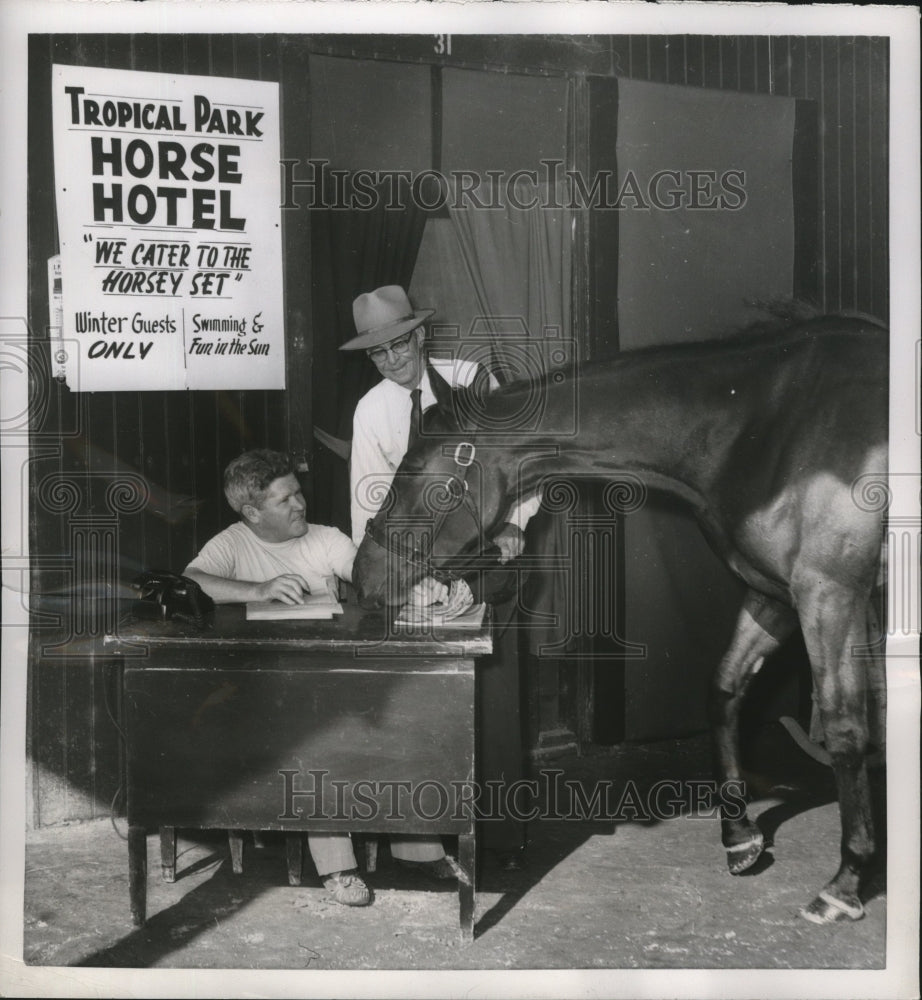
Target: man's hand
x=510, y=540
x=426, y=592
x=288, y=588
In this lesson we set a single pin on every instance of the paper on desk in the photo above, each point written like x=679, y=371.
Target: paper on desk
x=318, y=607
x=431, y=617
x=458, y=611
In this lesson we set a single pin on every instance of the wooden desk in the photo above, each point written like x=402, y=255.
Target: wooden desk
x=296, y=726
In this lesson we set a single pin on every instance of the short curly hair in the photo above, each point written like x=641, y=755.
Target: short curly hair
x=248, y=477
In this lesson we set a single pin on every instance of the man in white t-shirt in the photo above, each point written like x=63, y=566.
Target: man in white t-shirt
x=272, y=553
x=392, y=333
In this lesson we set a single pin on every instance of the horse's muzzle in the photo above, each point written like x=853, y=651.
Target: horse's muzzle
x=369, y=575
x=381, y=577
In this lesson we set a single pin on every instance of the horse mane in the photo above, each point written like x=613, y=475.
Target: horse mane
x=793, y=316
x=786, y=313
x=777, y=314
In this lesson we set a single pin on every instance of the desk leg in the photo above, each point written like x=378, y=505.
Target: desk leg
x=137, y=874
x=467, y=858
x=235, y=843
x=294, y=852
x=371, y=852
x=168, y=853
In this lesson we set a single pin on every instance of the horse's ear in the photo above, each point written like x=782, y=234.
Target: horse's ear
x=435, y=420
x=455, y=407
x=443, y=393
x=470, y=399
x=482, y=383
x=443, y=417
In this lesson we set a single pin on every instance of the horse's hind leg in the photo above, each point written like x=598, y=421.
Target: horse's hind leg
x=763, y=624
x=872, y=655
x=835, y=630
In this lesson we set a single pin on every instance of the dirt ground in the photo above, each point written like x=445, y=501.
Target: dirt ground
x=597, y=894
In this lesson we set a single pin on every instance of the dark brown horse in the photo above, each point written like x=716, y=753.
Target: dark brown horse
x=774, y=440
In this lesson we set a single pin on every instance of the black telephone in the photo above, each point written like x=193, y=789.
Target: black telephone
x=163, y=595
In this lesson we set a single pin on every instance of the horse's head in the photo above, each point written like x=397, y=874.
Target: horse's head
x=442, y=504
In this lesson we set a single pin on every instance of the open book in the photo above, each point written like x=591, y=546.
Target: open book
x=322, y=605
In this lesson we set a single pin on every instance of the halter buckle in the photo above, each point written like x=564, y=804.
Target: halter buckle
x=469, y=457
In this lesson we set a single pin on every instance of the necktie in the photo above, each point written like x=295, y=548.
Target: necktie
x=415, y=415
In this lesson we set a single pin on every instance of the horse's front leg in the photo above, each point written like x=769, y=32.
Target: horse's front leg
x=761, y=627
x=835, y=630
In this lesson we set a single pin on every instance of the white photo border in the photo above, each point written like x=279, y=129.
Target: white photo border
x=19, y=18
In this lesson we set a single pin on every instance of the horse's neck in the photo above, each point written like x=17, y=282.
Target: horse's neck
x=656, y=418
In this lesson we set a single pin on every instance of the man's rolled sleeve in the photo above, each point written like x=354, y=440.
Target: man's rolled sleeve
x=216, y=557
x=340, y=553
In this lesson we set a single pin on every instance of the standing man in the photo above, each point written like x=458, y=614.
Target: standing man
x=272, y=553
x=392, y=333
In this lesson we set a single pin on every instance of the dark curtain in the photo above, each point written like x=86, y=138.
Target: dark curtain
x=519, y=263
x=352, y=251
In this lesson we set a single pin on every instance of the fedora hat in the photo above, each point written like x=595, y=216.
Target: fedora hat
x=381, y=316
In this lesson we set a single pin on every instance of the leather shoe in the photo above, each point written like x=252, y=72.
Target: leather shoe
x=347, y=888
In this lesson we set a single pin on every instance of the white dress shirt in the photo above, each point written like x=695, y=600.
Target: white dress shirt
x=380, y=429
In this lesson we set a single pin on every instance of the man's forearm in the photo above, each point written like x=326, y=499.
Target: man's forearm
x=524, y=509
x=224, y=591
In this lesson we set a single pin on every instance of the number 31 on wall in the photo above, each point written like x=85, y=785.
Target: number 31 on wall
x=443, y=45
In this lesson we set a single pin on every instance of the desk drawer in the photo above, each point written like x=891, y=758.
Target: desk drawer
x=289, y=749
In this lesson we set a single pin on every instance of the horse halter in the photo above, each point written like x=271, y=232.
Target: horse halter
x=455, y=486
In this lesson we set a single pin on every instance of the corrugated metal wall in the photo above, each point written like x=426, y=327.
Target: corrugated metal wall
x=847, y=77
x=178, y=443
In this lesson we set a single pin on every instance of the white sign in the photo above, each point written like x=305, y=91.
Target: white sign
x=168, y=196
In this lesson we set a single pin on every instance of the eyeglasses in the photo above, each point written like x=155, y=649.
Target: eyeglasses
x=399, y=347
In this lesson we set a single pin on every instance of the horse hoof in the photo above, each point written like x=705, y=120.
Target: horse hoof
x=827, y=909
x=745, y=855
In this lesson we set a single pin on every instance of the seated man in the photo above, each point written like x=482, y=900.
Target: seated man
x=272, y=553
